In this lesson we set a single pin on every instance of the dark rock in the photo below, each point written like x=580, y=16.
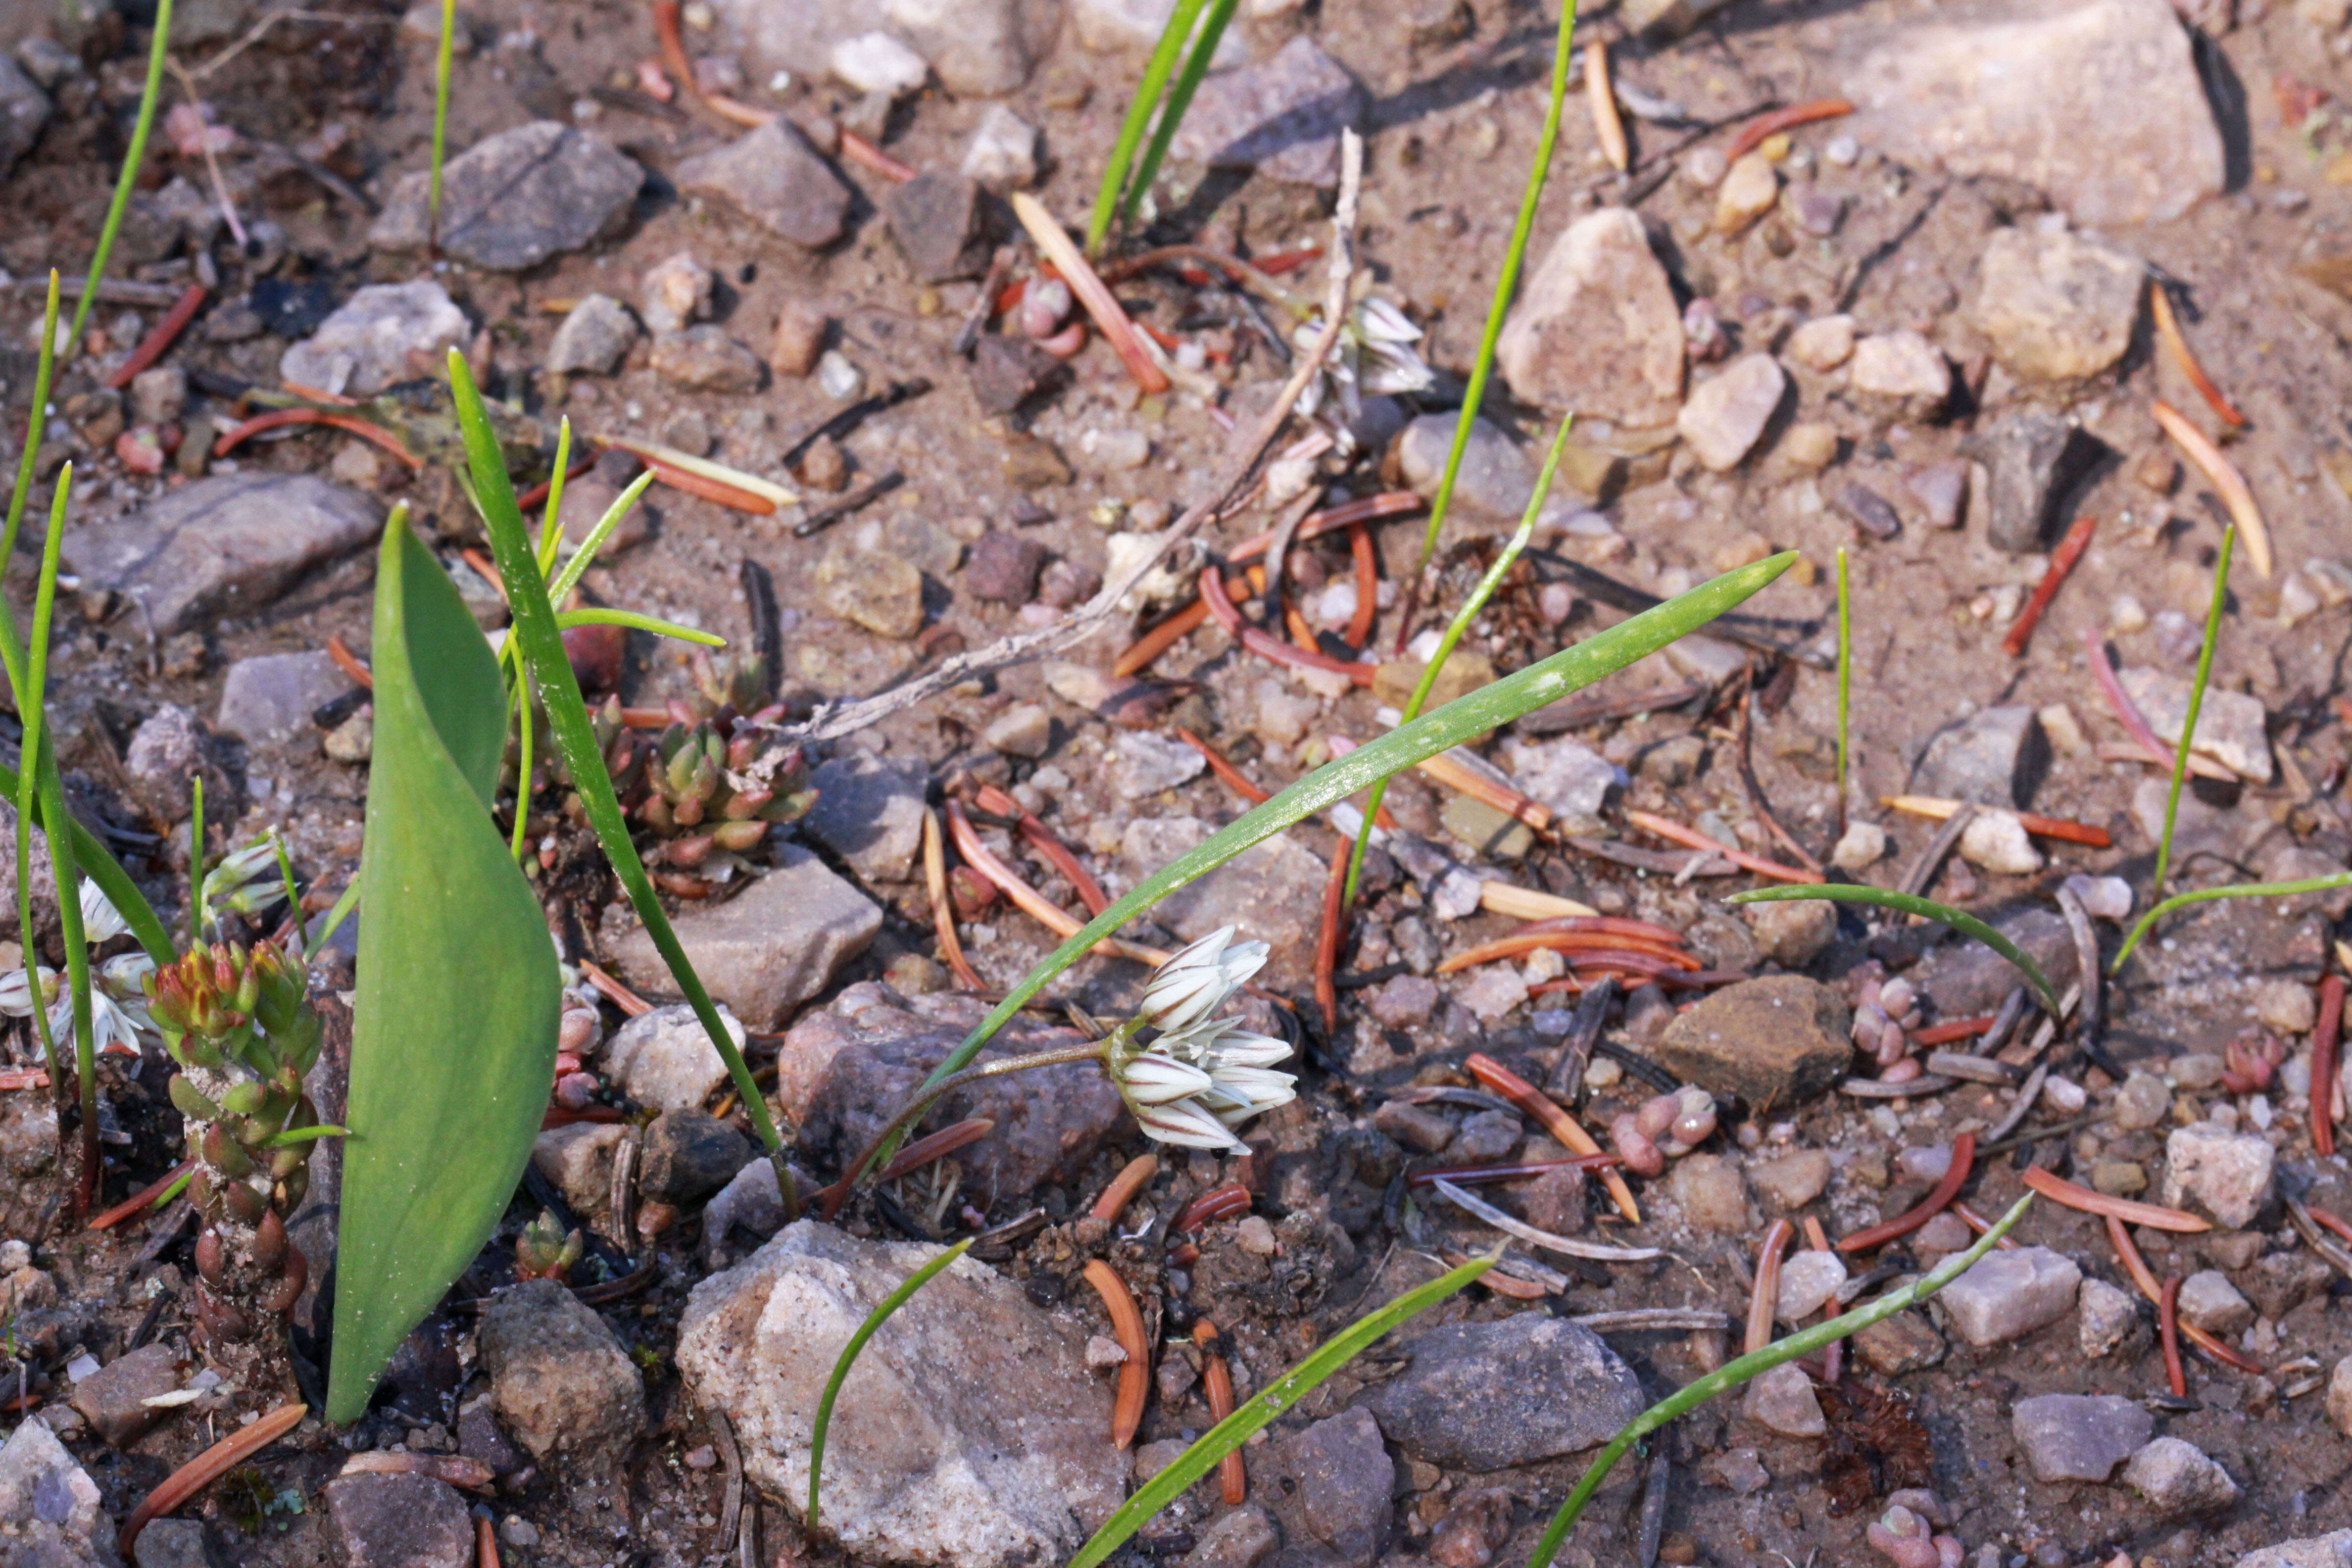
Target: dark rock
x=941, y=224
x=690, y=1154
x=1333, y=1481
x=1775, y=1042
x=1007, y=372
x=558, y=1377
x=773, y=177
x=1066, y=585
x=108, y=1398
x=223, y=547
x=841, y=1072
x=2034, y=458
x=517, y=198
x=23, y=110
x=1995, y=757
x=770, y=948
x=1282, y=117
x=1003, y=568
x=1870, y=511
x=2279, y=1282
x=1489, y=1395
x=400, y=1521
x=869, y=812
x=2078, y=1437
x=1965, y=979
x=479, y=1437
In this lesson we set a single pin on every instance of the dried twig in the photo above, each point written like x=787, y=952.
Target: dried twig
x=2062, y=561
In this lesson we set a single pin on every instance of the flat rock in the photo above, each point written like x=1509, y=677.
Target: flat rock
x=2179, y=1479
x=1965, y=978
x=1332, y=1483
x=223, y=547
x=769, y=949
x=1496, y=477
x=49, y=1506
x=1003, y=1461
x=2098, y=104
x=1993, y=757
x=842, y=1071
x=1003, y=567
x=869, y=813
x=665, y=1059
x=579, y=1158
x=1596, y=327
x=1273, y=891
x=110, y=1398
x=1282, y=118
x=518, y=197
x=592, y=339
x=1905, y=1343
x=690, y=1154
x=268, y=700
x=2330, y=1551
x=705, y=359
x=1782, y=1400
x=2057, y=308
x=23, y=110
x=1903, y=368
x=2210, y=1302
x=2226, y=1174
x=882, y=593
x=384, y=333
x=2078, y=1437
x=1490, y=1395
x=1570, y=778
x=399, y=1522
x=2232, y=726
x=1142, y=764
x=1726, y=414
x=1775, y=1041
x=941, y=226
x=1794, y=933
x=2005, y=1296
x=773, y=177
x=2033, y=458
x=561, y=1381
x=1002, y=153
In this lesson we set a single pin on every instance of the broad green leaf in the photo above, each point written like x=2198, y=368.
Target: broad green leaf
x=1912, y=904
x=453, y=1040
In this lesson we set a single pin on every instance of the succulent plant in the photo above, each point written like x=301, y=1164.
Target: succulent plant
x=545, y=1251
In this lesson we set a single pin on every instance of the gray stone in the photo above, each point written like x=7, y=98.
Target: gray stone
x=2141, y=1101
x=579, y=1160
x=1808, y=1281
x=1239, y=1538
x=384, y=333
x=1489, y=1395
x=171, y=1543
x=1775, y=1042
x=1404, y=1003
x=869, y=813
x=1282, y=118
x=1023, y=730
x=665, y=1059
x=559, y=1379
x=167, y=752
x=2230, y=726
x=2099, y=104
x=688, y=1155
x=517, y=198
x=25, y=109
x=592, y=339
x=49, y=1506
x=1331, y=1484
x=399, y=1522
x=2288, y=862
x=2005, y=1296
x=2340, y=1396
x=842, y=1071
x=1940, y=488
x=1903, y=368
x=268, y=700
x=2178, y=1479
x=1416, y=1127
x=2210, y=1302
x=2226, y=1174
x=1109, y=25
x=50, y=63
x=773, y=177
x=2105, y=1317
x=1965, y=978
x=1570, y=778
x=1002, y=153
x=976, y=47
x=110, y=1398
x=2331, y=1551
x=1003, y=1461
x=1273, y=891
x=2056, y=308
x=882, y=593
x=1596, y=327
x=941, y=226
x=1142, y=764
x=1782, y=1400
x=1793, y=934
x=1905, y=1343
x=2032, y=458
x=1496, y=479
x=1003, y=568
x=221, y=547
x=1706, y=1188
x=1007, y=372
x=675, y=293
x=1993, y=757
x=1724, y=415
x=705, y=359
x=769, y=949
x=2078, y=1437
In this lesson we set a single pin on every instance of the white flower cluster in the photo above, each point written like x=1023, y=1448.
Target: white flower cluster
x=1201, y=1077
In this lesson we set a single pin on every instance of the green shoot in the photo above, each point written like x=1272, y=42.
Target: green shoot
x=2196, y=703
x=866, y=1331
x=524, y=734
x=1731, y=1375
x=1911, y=904
x=1148, y=93
x=28, y=777
x=1256, y=1414
x=1180, y=99
x=2234, y=890
x=1470, y=610
x=286, y=879
x=567, y=619
x=441, y=128
x=158, y=55
x=540, y=641
x=550, y=526
x=1844, y=677
x=196, y=858
x=575, y=568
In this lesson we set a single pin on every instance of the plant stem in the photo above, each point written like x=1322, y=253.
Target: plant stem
x=441, y=128
x=196, y=858
x=866, y=1331
x=2196, y=703
x=30, y=770
x=2234, y=890
x=158, y=53
x=1778, y=1353
x=934, y=1088
x=1148, y=93
x=1845, y=682
x=1506, y=283
x=1180, y=99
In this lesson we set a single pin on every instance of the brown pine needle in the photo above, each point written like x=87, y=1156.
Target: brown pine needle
x=1606, y=124
x=2223, y=476
x=2168, y=326
x=1091, y=291
x=935, y=885
x=1127, y=1327
x=1132, y=1178
x=1564, y=1129
x=1033, y=903
x=208, y=1468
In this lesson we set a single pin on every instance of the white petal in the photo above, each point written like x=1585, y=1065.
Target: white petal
x=1240, y=1048
x=1155, y=1079
x=1187, y=1124
x=1383, y=322
x=99, y=919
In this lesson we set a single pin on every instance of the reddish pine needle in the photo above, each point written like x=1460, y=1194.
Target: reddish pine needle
x=1766, y=1297
x=2325, y=1037
x=1217, y=1202
x=208, y=1468
x=2058, y=1189
x=1331, y=936
x=153, y=346
x=2062, y=561
x=1219, y=1382
x=1956, y=1176
x=1753, y=134
x=2167, y=1320
x=1131, y=1179
x=142, y=1197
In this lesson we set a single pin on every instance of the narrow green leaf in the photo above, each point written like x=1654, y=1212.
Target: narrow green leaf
x=1148, y=92
x=536, y=637
x=1255, y=1414
x=441, y=58
x=1731, y=1375
x=2234, y=890
x=127, y=179
x=30, y=700
x=551, y=523
x=1180, y=99
x=453, y=1043
x=1912, y=904
x=2196, y=703
x=866, y=1331
x=566, y=619
x=575, y=568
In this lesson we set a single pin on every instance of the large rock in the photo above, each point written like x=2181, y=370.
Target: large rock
x=1332, y=1483
x=1273, y=891
x=268, y=700
x=113, y=1398
x=1596, y=327
x=2078, y=1437
x=2330, y=1551
x=1965, y=979
x=2099, y=104
x=881, y=592
x=971, y=1434
x=2033, y=459
x=2004, y=1296
x=398, y=1522
x=1282, y=118
x=1726, y=413
x=840, y=1073
x=23, y=110
x=166, y=753
x=2232, y=726
x=773, y=177
x=1490, y=1395
x=561, y=1381
x=2055, y=307
x=387, y=332
x=1775, y=1042
x=50, y=1508
x=221, y=547
x=769, y=949
x=2228, y=1174
x=869, y=812
x=1993, y=757
x=517, y=198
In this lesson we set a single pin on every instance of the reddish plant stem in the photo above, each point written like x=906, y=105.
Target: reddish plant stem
x=1331, y=936
x=1945, y=1032
x=1956, y=1176
x=2144, y=1278
x=1219, y=1382
x=349, y=662
x=1977, y=1223
x=858, y=150
x=1132, y=1178
x=620, y=995
x=1212, y=594
x=935, y=886
x=2168, y=326
x=537, y=494
x=1127, y=1327
x=1691, y=838
x=936, y=1146
x=1753, y=134
x=2167, y=1322
x=2062, y=561
x=165, y=333
x=1564, y=1129
x=2325, y=1037
x=1230, y=775
x=2094, y=650
x=1767, y=1294
x=2332, y=1222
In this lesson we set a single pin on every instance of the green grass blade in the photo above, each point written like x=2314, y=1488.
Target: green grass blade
x=1470, y=610
x=30, y=705
x=1912, y=904
x=1506, y=283
x=45, y=367
x=1498, y=703
x=1844, y=676
x=1148, y=92
x=525, y=732
x=577, y=567
x=2234, y=890
x=2196, y=703
x=196, y=858
x=866, y=1331
x=441, y=125
x=1780, y=1352
x=1180, y=99
x=540, y=643
x=453, y=1041
x=567, y=619
x=1255, y=1414
x=158, y=53
x=551, y=527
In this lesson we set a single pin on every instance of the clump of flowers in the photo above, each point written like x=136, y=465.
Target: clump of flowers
x=1189, y=1078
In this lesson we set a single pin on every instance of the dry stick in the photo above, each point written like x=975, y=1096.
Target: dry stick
x=1583, y=1031
x=2324, y=1037
x=620, y=995
x=935, y=885
x=825, y=516
x=2223, y=475
x=1567, y=1246
x=1923, y=871
x=2168, y=326
x=1127, y=1327
x=935, y=1146
x=1756, y=801
x=1956, y=1176
x=1564, y=1129
x=2070, y=550
x=206, y=1468
x=1608, y=128
x=2090, y=1018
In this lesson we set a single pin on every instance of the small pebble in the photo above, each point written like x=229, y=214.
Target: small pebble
x=1842, y=151
x=838, y=378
